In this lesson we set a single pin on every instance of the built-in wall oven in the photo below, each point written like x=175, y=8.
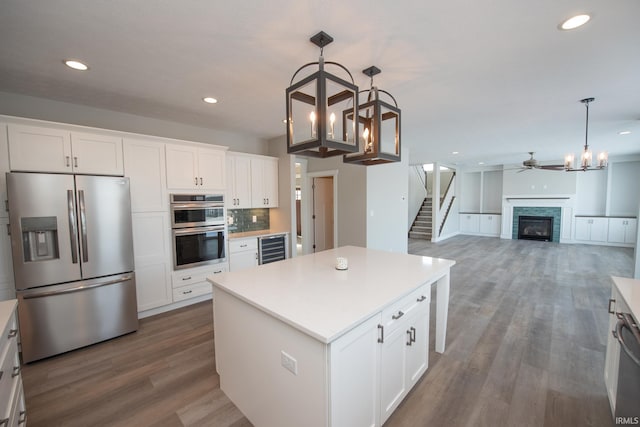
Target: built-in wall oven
x=198, y=229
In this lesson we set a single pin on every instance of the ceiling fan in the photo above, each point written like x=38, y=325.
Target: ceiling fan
x=532, y=163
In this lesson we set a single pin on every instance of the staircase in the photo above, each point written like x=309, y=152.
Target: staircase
x=422, y=225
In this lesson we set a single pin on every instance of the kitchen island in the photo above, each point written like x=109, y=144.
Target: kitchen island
x=299, y=342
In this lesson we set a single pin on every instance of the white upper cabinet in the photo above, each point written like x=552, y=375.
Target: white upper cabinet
x=96, y=154
x=194, y=168
x=264, y=182
x=239, y=182
x=144, y=164
x=42, y=149
x=4, y=168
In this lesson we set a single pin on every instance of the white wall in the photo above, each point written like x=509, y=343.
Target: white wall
x=492, y=192
x=63, y=112
x=469, y=183
x=591, y=192
x=538, y=182
x=388, y=205
x=624, y=189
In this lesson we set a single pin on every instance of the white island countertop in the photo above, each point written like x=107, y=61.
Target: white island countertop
x=308, y=293
x=629, y=290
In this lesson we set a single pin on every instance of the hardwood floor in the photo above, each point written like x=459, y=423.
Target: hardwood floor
x=525, y=347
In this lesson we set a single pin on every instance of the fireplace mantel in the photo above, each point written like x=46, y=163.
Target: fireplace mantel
x=564, y=201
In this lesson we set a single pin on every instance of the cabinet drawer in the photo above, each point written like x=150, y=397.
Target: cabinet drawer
x=191, y=291
x=193, y=276
x=9, y=333
x=238, y=245
x=393, y=315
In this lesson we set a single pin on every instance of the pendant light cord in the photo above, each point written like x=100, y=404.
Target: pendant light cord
x=586, y=130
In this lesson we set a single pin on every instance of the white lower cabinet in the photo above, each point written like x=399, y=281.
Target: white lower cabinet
x=192, y=282
x=152, y=255
x=480, y=224
x=469, y=223
x=12, y=404
x=591, y=229
x=243, y=253
x=622, y=230
x=605, y=230
x=404, y=352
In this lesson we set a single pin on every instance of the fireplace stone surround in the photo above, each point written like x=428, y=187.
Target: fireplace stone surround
x=521, y=204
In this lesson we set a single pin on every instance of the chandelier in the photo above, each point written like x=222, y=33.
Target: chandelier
x=317, y=106
x=380, y=138
x=586, y=159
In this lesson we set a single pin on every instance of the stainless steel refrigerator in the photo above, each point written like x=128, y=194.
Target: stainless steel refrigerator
x=72, y=253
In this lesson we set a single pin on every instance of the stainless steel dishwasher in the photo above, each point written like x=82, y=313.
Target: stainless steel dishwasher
x=272, y=248
x=628, y=395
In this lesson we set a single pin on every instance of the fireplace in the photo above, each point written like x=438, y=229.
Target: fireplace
x=535, y=228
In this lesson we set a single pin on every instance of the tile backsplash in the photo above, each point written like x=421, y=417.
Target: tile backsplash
x=241, y=220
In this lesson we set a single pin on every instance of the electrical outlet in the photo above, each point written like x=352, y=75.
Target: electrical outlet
x=289, y=363
x=254, y=218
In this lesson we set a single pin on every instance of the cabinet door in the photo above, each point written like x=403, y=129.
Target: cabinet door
x=270, y=181
x=39, y=149
x=6, y=266
x=182, y=167
x=469, y=223
x=418, y=350
x=354, y=374
x=144, y=164
x=152, y=255
x=239, y=181
x=393, y=378
x=4, y=168
x=490, y=224
x=631, y=231
x=617, y=229
x=211, y=169
x=258, y=197
x=243, y=260
x=599, y=228
x=583, y=229
x=612, y=355
x=96, y=154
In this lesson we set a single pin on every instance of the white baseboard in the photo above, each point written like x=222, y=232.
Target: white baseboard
x=173, y=306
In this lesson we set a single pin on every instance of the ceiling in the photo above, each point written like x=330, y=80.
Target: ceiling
x=491, y=80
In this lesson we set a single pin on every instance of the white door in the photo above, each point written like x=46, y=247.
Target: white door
x=323, y=213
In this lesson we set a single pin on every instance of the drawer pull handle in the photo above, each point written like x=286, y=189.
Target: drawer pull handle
x=68, y=164
x=16, y=371
x=409, y=337
x=216, y=272
x=422, y=298
x=243, y=246
x=1, y=373
x=23, y=417
x=397, y=316
x=4, y=422
x=12, y=333
x=611, y=310
x=186, y=292
x=413, y=334
x=186, y=278
x=381, y=335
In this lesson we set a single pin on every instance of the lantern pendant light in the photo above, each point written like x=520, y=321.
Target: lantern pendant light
x=380, y=137
x=316, y=106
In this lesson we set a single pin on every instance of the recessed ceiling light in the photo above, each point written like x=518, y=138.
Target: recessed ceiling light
x=574, y=22
x=210, y=100
x=455, y=152
x=481, y=163
x=76, y=65
x=624, y=132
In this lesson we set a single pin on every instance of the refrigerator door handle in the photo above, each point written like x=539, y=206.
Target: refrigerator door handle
x=83, y=226
x=73, y=227
x=79, y=288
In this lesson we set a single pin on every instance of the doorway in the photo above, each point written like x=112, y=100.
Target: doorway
x=322, y=213
x=318, y=210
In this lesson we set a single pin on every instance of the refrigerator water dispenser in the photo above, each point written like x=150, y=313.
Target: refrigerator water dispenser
x=39, y=238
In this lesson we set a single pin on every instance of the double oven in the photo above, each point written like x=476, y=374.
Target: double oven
x=198, y=229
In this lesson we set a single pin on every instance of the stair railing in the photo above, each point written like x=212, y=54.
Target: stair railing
x=446, y=201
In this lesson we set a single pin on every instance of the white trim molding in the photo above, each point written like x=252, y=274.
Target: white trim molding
x=565, y=202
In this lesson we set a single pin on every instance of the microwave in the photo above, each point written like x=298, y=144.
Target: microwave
x=197, y=210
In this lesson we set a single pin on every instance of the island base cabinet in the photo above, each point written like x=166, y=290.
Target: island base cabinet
x=251, y=347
